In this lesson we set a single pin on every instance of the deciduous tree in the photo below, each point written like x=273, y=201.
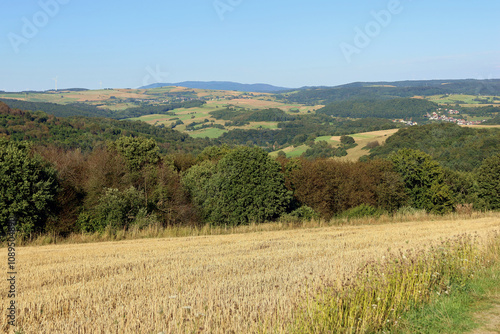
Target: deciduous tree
x=28, y=188
x=246, y=185
x=424, y=180
x=489, y=181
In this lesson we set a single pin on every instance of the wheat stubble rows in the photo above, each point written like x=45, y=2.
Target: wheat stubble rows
x=215, y=284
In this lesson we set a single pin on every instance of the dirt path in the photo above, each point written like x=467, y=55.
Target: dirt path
x=489, y=319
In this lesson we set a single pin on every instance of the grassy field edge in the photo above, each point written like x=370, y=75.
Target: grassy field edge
x=157, y=231
x=428, y=291
x=461, y=311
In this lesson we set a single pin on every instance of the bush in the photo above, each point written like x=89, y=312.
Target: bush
x=372, y=144
x=304, y=213
x=347, y=140
x=410, y=211
x=363, y=210
x=144, y=219
x=116, y=210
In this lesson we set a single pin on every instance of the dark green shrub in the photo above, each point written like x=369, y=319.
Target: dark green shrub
x=363, y=210
x=28, y=188
x=488, y=177
x=304, y=213
x=115, y=210
x=424, y=181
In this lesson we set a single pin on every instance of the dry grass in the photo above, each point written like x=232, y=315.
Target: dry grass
x=240, y=283
x=482, y=126
x=362, y=139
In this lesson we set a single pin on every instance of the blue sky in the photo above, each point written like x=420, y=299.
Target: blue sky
x=289, y=43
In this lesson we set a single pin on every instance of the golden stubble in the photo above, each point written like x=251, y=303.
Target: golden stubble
x=241, y=283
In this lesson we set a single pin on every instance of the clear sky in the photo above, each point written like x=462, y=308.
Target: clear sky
x=290, y=43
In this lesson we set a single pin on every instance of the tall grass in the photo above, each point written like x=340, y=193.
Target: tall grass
x=381, y=292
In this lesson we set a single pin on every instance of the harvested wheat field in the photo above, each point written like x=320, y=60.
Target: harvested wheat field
x=241, y=283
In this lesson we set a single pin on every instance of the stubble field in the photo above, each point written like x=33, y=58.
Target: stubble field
x=240, y=283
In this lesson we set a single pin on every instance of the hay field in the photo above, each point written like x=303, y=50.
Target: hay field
x=353, y=154
x=362, y=139
x=65, y=96
x=241, y=283
x=464, y=100
x=482, y=126
x=265, y=102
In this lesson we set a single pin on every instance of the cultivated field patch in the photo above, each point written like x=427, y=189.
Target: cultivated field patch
x=353, y=154
x=465, y=100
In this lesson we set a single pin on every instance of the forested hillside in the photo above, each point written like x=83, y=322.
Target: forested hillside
x=88, y=110
x=493, y=121
x=86, y=133
x=388, y=90
x=59, y=110
x=458, y=148
x=391, y=109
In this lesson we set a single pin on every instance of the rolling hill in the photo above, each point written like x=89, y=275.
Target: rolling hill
x=221, y=85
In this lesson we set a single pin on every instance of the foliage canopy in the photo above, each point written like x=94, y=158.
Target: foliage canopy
x=245, y=186
x=28, y=188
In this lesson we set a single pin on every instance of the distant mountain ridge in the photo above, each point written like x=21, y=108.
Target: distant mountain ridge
x=470, y=86
x=221, y=85
x=390, y=90
x=427, y=83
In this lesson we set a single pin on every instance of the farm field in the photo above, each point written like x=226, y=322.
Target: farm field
x=362, y=139
x=464, y=100
x=292, y=151
x=66, y=96
x=201, y=113
x=121, y=99
x=210, y=133
x=353, y=154
x=265, y=103
x=240, y=283
x=114, y=98
x=483, y=126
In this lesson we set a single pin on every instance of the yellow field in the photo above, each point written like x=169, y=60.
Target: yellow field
x=262, y=103
x=482, y=126
x=362, y=139
x=353, y=154
x=237, y=283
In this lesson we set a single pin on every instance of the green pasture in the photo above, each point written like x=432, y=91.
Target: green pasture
x=208, y=132
x=461, y=99
x=296, y=151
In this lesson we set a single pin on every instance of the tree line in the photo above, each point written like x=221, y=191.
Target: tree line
x=455, y=147
x=127, y=183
